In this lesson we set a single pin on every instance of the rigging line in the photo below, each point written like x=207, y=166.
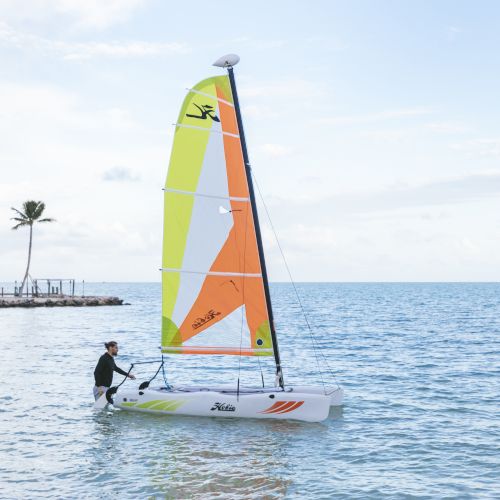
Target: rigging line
x=314, y=341
x=243, y=296
x=112, y=390
x=146, y=362
x=157, y=371
x=261, y=373
x=126, y=376
x=167, y=385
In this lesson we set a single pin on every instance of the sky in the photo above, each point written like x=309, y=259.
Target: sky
x=372, y=129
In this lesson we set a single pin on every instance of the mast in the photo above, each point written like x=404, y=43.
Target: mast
x=228, y=62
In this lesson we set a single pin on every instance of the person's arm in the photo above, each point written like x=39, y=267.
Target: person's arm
x=117, y=369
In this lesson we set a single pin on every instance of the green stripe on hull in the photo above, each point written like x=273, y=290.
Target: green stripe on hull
x=168, y=406
x=155, y=405
x=147, y=404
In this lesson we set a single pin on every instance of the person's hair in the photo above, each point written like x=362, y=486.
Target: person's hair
x=109, y=344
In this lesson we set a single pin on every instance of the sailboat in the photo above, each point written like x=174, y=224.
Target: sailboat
x=215, y=291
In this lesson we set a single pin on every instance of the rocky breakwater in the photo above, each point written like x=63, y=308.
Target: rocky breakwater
x=59, y=301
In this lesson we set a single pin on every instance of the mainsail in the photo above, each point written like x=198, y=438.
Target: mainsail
x=214, y=299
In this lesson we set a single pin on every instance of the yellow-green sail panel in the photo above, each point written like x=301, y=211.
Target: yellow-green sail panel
x=198, y=112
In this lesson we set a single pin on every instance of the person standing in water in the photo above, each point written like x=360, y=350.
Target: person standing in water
x=103, y=373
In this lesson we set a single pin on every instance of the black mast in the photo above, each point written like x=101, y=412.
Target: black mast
x=248, y=172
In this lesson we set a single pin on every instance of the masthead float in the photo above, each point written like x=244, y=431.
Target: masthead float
x=215, y=291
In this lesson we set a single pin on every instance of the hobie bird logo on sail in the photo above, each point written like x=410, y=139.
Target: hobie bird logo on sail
x=223, y=407
x=209, y=316
x=205, y=110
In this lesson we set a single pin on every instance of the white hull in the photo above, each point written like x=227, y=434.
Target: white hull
x=336, y=394
x=305, y=403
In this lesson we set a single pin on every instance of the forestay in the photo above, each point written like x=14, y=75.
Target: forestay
x=213, y=291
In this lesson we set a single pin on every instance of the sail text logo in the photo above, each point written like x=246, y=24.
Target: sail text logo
x=209, y=316
x=223, y=407
x=205, y=110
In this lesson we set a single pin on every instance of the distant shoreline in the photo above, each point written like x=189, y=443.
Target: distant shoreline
x=87, y=283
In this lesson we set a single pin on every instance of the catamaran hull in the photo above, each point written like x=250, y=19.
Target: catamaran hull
x=335, y=394
x=295, y=405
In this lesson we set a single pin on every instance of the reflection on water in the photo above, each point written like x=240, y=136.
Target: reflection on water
x=418, y=363
x=192, y=457
x=217, y=462
x=336, y=412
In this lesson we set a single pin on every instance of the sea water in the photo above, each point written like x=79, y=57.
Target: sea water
x=419, y=364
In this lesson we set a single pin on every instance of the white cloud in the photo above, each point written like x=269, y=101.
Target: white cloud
x=394, y=135
x=452, y=32
x=483, y=147
x=283, y=98
x=302, y=237
x=120, y=174
x=56, y=147
x=448, y=127
x=433, y=193
x=86, y=50
x=96, y=14
x=118, y=49
x=327, y=43
x=16, y=100
x=253, y=43
x=61, y=247
x=391, y=114
x=287, y=88
x=38, y=108
x=275, y=150
x=259, y=112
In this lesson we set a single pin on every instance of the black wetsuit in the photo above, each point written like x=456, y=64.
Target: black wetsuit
x=103, y=373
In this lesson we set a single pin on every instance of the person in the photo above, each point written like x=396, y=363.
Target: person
x=103, y=373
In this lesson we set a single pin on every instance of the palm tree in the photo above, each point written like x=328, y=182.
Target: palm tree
x=30, y=213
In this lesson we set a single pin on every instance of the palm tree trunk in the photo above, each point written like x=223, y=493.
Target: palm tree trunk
x=29, y=261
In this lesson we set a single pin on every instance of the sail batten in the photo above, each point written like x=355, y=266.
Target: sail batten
x=192, y=193
x=213, y=292
x=211, y=97
x=212, y=273
x=230, y=134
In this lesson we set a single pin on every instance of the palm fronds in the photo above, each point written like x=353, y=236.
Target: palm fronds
x=30, y=213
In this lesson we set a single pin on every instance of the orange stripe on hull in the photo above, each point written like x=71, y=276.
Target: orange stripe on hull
x=296, y=405
x=283, y=407
x=275, y=407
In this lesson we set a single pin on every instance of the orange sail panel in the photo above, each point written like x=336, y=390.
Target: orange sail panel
x=212, y=285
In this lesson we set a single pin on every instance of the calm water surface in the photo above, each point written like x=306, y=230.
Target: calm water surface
x=419, y=363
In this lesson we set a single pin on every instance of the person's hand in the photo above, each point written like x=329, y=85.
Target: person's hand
x=131, y=376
